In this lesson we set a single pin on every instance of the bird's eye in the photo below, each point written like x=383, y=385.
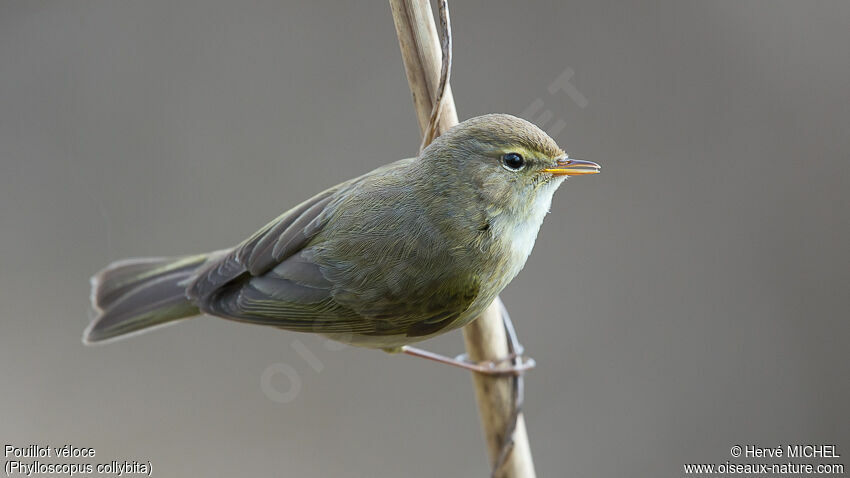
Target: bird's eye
x=513, y=161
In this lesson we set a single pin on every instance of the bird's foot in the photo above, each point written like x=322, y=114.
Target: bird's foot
x=513, y=364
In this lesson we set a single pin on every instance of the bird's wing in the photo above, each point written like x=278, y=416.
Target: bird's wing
x=271, y=278
x=265, y=249
x=296, y=295
x=293, y=295
x=276, y=241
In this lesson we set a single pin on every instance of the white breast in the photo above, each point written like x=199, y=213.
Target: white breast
x=522, y=234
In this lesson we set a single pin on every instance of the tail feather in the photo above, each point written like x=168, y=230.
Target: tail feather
x=136, y=295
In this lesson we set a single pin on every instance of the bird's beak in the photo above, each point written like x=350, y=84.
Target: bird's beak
x=573, y=167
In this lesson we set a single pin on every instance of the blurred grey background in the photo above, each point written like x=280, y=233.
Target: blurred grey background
x=692, y=297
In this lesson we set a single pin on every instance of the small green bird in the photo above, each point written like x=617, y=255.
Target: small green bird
x=408, y=251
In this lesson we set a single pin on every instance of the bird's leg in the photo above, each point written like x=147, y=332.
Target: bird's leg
x=518, y=365
x=488, y=367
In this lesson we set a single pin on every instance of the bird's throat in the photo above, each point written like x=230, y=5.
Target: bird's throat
x=515, y=233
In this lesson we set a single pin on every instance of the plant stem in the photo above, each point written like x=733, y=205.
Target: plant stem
x=485, y=337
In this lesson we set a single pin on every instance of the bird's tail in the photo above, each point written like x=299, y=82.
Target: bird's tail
x=136, y=295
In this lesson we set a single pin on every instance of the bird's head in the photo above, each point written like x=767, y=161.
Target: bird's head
x=504, y=161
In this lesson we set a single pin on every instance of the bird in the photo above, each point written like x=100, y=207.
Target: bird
x=406, y=252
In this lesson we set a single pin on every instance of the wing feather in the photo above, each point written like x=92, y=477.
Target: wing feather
x=278, y=277
x=259, y=253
